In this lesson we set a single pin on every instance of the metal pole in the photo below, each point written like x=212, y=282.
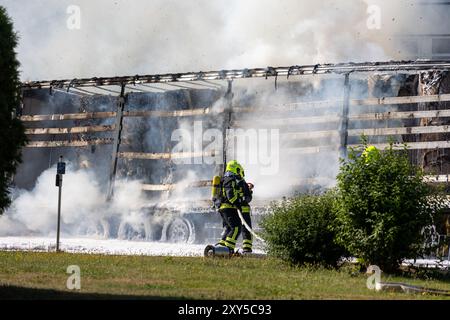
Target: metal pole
x=344, y=123
x=61, y=169
x=60, y=178
x=226, y=125
x=296, y=70
x=117, y=138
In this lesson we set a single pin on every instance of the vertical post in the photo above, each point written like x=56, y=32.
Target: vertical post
x=116, y=143
x=61, y=169
x=59, y=211
x=226, y=124
x=343, y=130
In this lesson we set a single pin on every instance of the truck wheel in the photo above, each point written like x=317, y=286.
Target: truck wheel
x=128, y=232
x=180, y=230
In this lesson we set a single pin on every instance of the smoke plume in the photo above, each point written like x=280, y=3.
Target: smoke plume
x=140, y=37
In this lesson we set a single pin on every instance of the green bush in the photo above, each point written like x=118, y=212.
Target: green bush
x=383, y=205
x=300, y=231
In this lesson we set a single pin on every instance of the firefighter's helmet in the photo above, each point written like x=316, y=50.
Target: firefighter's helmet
x=234, y=167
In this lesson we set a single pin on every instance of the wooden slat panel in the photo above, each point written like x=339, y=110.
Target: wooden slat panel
x=414, y=145
x=167, y=187
x=166, y=156
x=289, y=121
x=200, y=184
x=68, y=116
x=367, y=132
x=101, y=115
x=402, y=115
x=400, y=100
x=174, y=113
x=312, y=150
x=32, y=131
x=75, y=143
x=310, y=134
x=354, y=102
x=411, y=146
x=288, y=106
x=157, y=187
x=277, y=123
x=398, y=131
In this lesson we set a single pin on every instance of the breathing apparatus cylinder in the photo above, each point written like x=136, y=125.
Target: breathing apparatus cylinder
x=216, y=191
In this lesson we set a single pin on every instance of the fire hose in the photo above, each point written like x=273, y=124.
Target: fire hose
x=374, y=282
x=248, y=227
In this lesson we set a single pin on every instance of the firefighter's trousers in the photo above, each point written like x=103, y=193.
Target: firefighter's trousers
x=229, y=228
x=247, y=241
x=232, y=227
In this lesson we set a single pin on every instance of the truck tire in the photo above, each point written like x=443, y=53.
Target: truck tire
x=180, y=230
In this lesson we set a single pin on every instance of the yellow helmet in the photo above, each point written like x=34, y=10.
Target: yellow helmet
x=234, y=167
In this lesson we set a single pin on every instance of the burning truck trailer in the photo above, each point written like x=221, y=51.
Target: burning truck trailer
x=143, y=128
x=166, y=215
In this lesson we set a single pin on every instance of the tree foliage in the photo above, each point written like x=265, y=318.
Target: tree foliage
x=12, y=132
x=383, y=206
x=377, y=213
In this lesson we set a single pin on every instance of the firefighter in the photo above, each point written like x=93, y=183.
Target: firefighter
x=233, y=198
x=247, y=240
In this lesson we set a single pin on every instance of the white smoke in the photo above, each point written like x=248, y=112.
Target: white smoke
x=266, y=150
x=84, y=207
x=124, y=37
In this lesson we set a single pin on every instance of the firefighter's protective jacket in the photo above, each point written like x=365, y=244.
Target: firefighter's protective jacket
x=235, y=191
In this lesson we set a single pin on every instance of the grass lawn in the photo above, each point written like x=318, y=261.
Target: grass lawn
x=43, y=275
